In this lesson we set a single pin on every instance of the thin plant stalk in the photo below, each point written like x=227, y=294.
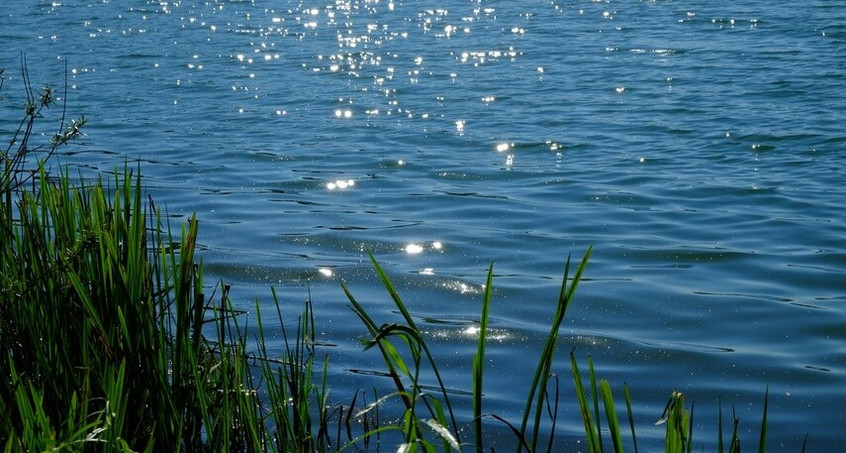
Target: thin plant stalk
x=538, y=386
x=479, y=360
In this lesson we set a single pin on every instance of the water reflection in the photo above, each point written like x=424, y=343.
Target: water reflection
x=326, y=272
x=616, y=119
x=340, y=184
x=414, y=249
x=470, y=334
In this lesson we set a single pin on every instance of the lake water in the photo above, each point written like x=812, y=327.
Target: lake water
x=699, y=146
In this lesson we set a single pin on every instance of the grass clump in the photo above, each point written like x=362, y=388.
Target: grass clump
x=102, y=321
x=112, y=345
x=107, y=341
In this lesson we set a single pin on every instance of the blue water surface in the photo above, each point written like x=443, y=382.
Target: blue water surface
x=699, y=146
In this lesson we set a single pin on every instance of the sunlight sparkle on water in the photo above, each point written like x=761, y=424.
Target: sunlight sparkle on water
x=492, y=334
x=340, y=184
x=382, y=90
x=325, y=271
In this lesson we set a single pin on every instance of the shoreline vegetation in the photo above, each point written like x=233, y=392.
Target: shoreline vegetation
x=111, y=344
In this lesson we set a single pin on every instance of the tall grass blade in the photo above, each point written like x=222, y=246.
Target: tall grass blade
x=479, y=360
x=734, y=447
x=595, y=394
x=386, y=349
x=523, y=444
x=630, y=415
x=537, y=389
x=689, y=421
x=444, y=433
x=552, y=412
x=389, y=286
x=591, y=431
x=611, y=414
x=762, y=443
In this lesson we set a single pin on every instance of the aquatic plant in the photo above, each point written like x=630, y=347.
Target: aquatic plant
x=426, y=426
x=20, y=158
x=437, y=420
x=102, y=316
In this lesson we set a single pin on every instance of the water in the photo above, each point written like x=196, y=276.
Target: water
x=699, y=147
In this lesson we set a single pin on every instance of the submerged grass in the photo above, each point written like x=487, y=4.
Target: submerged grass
x=110, y=343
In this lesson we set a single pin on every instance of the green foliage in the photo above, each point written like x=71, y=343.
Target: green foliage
x=479, y=361
x=20, y=156
x=543, y=371
x=677, y=417
x=298, y=406
x=112, y=345
x=412, y=393
x=407, y=378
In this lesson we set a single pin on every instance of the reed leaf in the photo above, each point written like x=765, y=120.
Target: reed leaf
x=383, y=276
x=386, y=349
x=762, y=443
x=595, y=395
x=538, y=387
x=592, y=434
x=630, y=414
x=611, y=415
x=479, y=360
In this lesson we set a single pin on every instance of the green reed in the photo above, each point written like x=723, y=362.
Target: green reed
x=412, y=426
x=112, y=345
x=542, y=397
x=479, y=361
x=411, y=392
x=677, y=417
